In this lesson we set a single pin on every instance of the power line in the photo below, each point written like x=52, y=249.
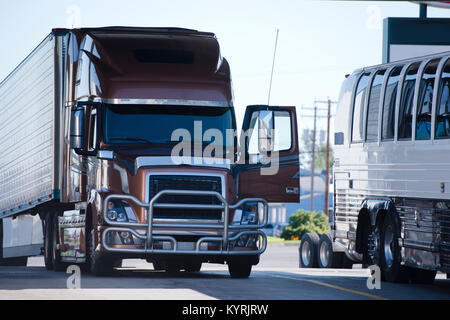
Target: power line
x=273, y=65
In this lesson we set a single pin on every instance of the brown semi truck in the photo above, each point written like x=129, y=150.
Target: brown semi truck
x=121, y=142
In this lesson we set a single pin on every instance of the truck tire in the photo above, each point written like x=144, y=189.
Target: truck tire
x=57, y=263
x=308, y=250
x=239, y=269
x=172, y=267
x=346, y=262
x=99, y=264
x=421, y=276
x=48, y=241
x=390, y=257
x=326, y=258
x=117, y=263
x=158, y=265
x=193, y=266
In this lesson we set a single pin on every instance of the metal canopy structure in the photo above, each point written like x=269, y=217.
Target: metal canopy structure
x=412, y=37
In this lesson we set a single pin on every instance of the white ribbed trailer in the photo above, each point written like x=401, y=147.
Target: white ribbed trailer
x=30, y=154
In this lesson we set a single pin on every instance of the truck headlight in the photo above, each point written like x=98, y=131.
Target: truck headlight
x=250, y=213
x=120, y=211
x=111, y=214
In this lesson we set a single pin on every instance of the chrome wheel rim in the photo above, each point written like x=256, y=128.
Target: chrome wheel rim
x=324, y=254
x=374, y=245
x=388, y=246
x=306, y=253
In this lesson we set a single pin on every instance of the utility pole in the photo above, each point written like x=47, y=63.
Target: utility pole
x=313, y=160
x=327, y=161
x=422, y=11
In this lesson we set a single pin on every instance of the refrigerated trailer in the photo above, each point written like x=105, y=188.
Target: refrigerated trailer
x=391, y=172
x=121, y=142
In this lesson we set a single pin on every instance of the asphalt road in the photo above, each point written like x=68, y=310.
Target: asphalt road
x=276, y=277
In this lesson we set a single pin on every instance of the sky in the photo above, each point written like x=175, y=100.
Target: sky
x=319, y=42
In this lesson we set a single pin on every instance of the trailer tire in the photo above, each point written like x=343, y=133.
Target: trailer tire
x=239, y=269
x=308, y=250
x=57, y=263
x=326, y=257
x=390, y=258
x=48, y=241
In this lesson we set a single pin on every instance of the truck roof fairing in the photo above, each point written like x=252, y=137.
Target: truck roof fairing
x=152, y=63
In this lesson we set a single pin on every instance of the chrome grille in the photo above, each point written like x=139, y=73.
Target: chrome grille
x=159, y=183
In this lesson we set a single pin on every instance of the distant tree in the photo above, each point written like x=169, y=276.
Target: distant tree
x=303, y=222
x=320, y=156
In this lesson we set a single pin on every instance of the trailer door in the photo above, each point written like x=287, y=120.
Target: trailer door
x=269, y=163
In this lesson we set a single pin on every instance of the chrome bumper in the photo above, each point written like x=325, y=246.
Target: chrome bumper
x=149, y=238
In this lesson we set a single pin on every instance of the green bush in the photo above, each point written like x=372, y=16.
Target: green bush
x=303, y=222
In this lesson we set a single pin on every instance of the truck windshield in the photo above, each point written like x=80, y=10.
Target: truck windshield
x=150, y=124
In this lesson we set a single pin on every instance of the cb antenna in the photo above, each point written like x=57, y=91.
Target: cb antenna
x=273, y=65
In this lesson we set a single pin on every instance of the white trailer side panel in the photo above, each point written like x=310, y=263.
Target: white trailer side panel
x=27, y=131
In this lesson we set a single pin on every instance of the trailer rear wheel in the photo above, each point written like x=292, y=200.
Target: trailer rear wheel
x=308, y=250
x=326, y=257
x=390, y=257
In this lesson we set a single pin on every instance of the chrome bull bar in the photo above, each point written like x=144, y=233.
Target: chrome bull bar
x=149, y=237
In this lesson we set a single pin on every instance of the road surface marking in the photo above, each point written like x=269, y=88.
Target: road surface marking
x=320, y=283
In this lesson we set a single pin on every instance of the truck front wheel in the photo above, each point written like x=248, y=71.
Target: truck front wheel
x=193, y=266
x=99, y=264
x=239, y=269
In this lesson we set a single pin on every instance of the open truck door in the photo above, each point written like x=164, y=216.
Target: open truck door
x=269, y=146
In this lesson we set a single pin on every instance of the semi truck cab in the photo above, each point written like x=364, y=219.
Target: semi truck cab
x=149, y=161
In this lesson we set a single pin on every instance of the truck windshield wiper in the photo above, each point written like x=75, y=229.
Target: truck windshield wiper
x=130, y=139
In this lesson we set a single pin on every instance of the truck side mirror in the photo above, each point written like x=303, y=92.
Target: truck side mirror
x=77, y=128
x=265, y=131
